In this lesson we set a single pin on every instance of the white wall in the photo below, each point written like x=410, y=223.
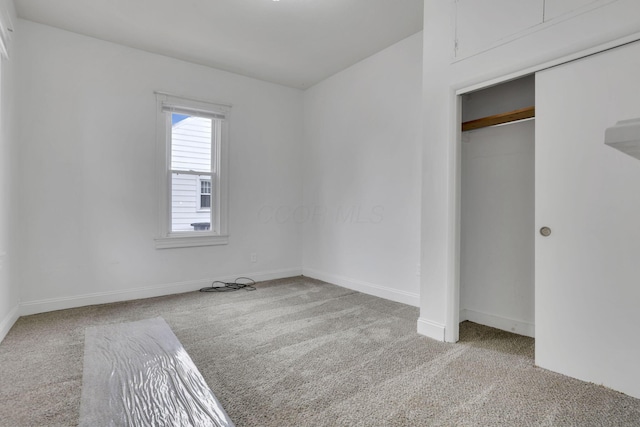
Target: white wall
x=9, y=297
x=88, y=203
x=554, y=9
x=361, y=175
x=499, y=22
x=440, y=155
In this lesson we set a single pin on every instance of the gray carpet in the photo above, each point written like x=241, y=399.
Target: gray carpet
x=299, y=352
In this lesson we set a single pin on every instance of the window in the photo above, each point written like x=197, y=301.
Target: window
x=205, y=194
x=192, y=154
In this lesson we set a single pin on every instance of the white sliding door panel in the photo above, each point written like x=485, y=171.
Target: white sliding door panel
x=588, y=270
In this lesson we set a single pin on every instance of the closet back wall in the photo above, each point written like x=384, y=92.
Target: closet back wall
x=497, y=211
x=497, y=227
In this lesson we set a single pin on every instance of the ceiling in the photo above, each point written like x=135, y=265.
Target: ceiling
x=295, y=43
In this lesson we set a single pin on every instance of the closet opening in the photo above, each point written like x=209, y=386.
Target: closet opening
x=497, y=206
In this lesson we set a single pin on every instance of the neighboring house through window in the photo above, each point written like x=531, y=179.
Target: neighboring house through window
x=192, y=154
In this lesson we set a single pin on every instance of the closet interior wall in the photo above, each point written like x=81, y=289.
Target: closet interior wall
x=497, y=211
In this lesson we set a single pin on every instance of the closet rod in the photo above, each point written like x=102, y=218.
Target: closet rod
x=498, y=119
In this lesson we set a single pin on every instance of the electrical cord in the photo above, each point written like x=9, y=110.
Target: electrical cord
x=230, y=286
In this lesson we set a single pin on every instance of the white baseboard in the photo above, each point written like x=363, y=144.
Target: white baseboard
x=8, y=321
x=431, y=329
x=385, y=292
x=510, y=325
x=52, y=304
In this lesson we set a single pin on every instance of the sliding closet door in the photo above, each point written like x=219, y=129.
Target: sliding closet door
x=587, y=304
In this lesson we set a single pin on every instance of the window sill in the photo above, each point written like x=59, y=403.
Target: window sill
x=190, y=241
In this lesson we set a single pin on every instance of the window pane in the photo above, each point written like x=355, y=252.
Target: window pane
x=190, y=143
x=205, y=186
x=185, y=214
x=205, y=201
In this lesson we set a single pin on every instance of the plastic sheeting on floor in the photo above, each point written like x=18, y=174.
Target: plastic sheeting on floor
x=138, y=374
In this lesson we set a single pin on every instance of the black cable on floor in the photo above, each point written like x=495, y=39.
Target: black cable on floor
x=219, y=286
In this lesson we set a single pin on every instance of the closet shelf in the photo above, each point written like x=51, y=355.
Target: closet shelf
x=498, y=119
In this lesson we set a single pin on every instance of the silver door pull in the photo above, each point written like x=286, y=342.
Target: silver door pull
x=545, y=231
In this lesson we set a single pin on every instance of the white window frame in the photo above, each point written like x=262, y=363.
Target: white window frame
x=218, y=234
